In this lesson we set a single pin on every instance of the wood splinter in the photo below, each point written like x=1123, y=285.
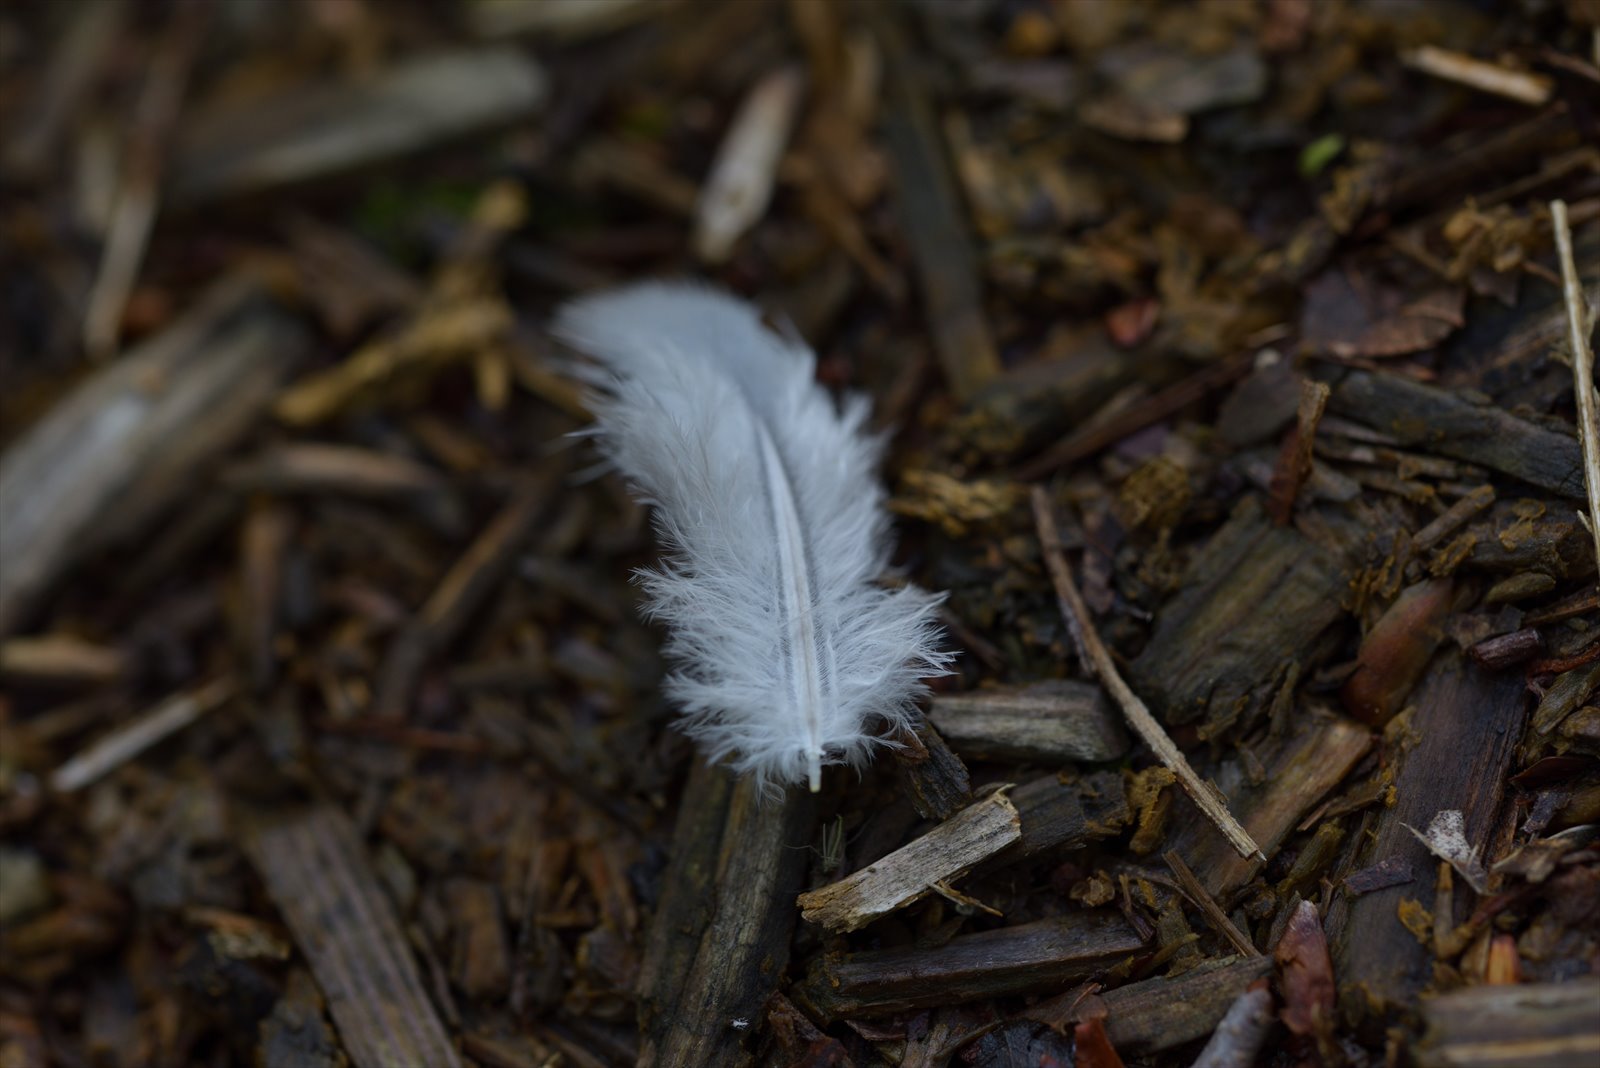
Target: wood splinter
x=1097, y=660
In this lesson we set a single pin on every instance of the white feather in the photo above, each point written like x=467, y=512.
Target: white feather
x=788, y=655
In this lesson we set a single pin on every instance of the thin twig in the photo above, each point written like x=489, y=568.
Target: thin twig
x=134, y=737
x=1525, y=88
x=1579, y=324
x=1196, y=892
x=1098, y=659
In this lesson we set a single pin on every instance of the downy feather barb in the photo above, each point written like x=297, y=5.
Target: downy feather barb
x=788, y=654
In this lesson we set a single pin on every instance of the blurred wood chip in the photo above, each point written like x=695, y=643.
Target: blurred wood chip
x=739, y=187
x=317, y=873
x=310, y=132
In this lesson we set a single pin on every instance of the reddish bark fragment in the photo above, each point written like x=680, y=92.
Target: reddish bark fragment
x=1091, y=1047
x=1305, y=977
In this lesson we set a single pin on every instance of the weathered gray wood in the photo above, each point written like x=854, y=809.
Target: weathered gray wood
x=1455, y=753
x=312, y=132
x=1254, y=600
x=720, y=939
x=1535, y=1025
x=1053, y=722
x=1160, y=1013
x=129, y=442
x=318, y=875
x=1446, y=423
x=917, y=868
x=1065, y=815
x=1036, y=956
x=1299, y=772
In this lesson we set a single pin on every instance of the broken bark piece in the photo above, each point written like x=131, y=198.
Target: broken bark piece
x=1294, y=460
x=316, y=871
x=1156, y=1014
x=1449, y=425
x=1066, y=815
x=1532, y=1025
x=458, y=596
x=720, y=938
x=935, y=224
x=1010, y=960
x=1456, y=753
x=129, y=442
x=911, y=872
x=1508, y=650
x=1256, y=597
x=933, y=777
x=1051, y=722
x=1299, y=772
x=1565, y=694
x=307, y=133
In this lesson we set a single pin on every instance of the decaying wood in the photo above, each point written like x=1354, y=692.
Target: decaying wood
x=316, y=870
x=1160, y=1013
x=1299, y=772
x=305, y=133
x=130, y=441
x=1097, y=658
x=464, y=588
x=720, y=937
x=1011, y=960
x=1449, y=425
x=934, y=222
x=1256, y=598
x=1062, y=815
x=1533, y=1025
x=1454, y=753
x=1580, y=327
x=934, y=778
x=916, y=869
x=1051, y=722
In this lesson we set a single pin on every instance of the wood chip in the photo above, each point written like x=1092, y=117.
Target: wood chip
x=127, y=442
x=916, y=869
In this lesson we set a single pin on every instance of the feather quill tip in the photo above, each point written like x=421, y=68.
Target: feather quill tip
x=789, y=655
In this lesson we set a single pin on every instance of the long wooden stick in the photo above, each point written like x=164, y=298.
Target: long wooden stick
x=1097, y=658
x=1579, y=326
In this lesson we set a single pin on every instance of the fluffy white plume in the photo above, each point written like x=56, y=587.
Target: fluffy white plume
x=788, y=655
